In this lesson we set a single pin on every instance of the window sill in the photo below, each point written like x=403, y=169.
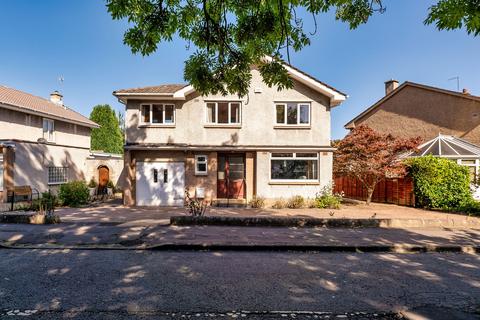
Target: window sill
x=292, y=127
x=56, y=183
x=228, y=126
x=201, y=174
x=293, y=182
x=157, y=126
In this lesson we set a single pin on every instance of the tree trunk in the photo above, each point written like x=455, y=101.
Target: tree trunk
x=369, y=195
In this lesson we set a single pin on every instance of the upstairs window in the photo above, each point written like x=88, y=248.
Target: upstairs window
x=48, y=130
x=158, y=114
x=223, y=113
x=292, y=114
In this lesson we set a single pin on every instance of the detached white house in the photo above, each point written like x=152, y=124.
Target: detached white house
x=227, y=149
x=43, y=143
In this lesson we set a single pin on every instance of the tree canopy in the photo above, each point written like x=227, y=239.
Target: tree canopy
x=229, y=36
x=371, y=156
x=108, y=137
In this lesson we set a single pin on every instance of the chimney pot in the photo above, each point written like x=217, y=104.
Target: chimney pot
x=390, y=85
x=56, y=97
x=465, y=91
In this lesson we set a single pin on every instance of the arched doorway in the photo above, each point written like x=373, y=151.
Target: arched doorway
x=103, y=178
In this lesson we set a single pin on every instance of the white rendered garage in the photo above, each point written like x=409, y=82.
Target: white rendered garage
x=160, y=183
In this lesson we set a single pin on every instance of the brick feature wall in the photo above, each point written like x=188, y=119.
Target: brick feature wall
x=209, y=181
x=396, y=191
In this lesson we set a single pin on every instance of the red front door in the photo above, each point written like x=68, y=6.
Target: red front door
x=231, y=176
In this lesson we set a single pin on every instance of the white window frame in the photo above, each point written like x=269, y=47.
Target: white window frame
x=239, y=123
x=163, y=124
x=198, y=172
x=294, y=157
x=57, y=181
x=46, y=135
x=285, y=120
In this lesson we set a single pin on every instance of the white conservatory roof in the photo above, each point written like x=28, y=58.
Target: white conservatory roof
x=447, y=146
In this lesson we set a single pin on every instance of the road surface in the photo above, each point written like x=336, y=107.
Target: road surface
x=89, y=284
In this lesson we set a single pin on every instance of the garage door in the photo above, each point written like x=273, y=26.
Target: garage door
x=160, y=183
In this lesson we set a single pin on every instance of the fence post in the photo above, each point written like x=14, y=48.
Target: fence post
x=12, y=201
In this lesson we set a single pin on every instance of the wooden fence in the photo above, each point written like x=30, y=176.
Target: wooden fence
x=397, y=191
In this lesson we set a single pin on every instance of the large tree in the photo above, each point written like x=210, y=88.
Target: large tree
x=371, y=156
x=108, y=137
x=229, y=36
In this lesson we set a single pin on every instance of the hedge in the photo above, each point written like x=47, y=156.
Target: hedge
x=440, y=183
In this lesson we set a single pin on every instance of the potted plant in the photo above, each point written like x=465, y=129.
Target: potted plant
x=92, y=188
x=110, y=187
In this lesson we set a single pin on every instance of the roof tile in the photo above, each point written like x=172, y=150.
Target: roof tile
x=20, y=99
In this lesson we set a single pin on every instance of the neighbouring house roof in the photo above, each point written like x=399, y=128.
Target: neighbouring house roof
x=180, y=91
x=376, y=105
x=446, y=146
x=160, y=89
x=25, y=102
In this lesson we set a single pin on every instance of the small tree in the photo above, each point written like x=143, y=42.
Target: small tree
x=109, y=136
x=371, y=156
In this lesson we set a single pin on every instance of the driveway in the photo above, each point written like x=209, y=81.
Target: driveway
x=115, y=213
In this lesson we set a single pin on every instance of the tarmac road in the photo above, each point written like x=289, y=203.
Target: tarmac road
x=90, y=284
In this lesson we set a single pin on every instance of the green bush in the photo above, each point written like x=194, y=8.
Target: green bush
x=327, y=199
x=257, y=202
x=471, y=207
x=74, y=193
x=47, y=202
x=92, y=183
x=296, y=202
x=439, y=183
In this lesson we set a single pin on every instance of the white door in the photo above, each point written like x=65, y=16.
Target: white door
x=160, y=183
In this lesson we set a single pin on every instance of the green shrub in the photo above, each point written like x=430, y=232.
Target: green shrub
x=296, y=202
x=47, y=202
x=74, y=193
x=279, y=204
x=471, y=207
x=92, y=183
x=327, y=199
x=110, y=184
x=439, y=183
x=257, y=202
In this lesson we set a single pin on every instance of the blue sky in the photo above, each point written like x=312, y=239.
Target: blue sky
x=78, y=40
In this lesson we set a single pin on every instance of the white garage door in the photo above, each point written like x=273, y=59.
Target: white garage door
x=160, y=183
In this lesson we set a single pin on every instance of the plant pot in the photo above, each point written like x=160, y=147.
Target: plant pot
x=110, y=192
x=92, y=191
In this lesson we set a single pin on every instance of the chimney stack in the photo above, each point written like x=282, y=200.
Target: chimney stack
x=390, y=85
x=57, y=98
x=465, y=91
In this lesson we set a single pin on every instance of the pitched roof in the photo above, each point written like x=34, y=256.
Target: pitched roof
x=350, y=124
x=29, y=103
x=179, y=91
x=446, y=146
x=163, y=88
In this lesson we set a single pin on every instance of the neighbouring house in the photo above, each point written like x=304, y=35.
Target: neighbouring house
x=417, y=110
x=43, y=143
x=227, y=149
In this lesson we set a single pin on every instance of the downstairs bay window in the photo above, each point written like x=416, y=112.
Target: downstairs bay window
x=296, y=167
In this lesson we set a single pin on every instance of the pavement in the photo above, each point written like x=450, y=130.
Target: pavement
x=90, y=284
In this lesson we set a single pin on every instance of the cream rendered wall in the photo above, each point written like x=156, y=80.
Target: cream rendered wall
x=258, y=120
x=273, y=190
x=22, y=126
x=32, y=161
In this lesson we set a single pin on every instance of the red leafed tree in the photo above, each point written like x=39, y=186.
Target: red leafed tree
x=371, y=156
